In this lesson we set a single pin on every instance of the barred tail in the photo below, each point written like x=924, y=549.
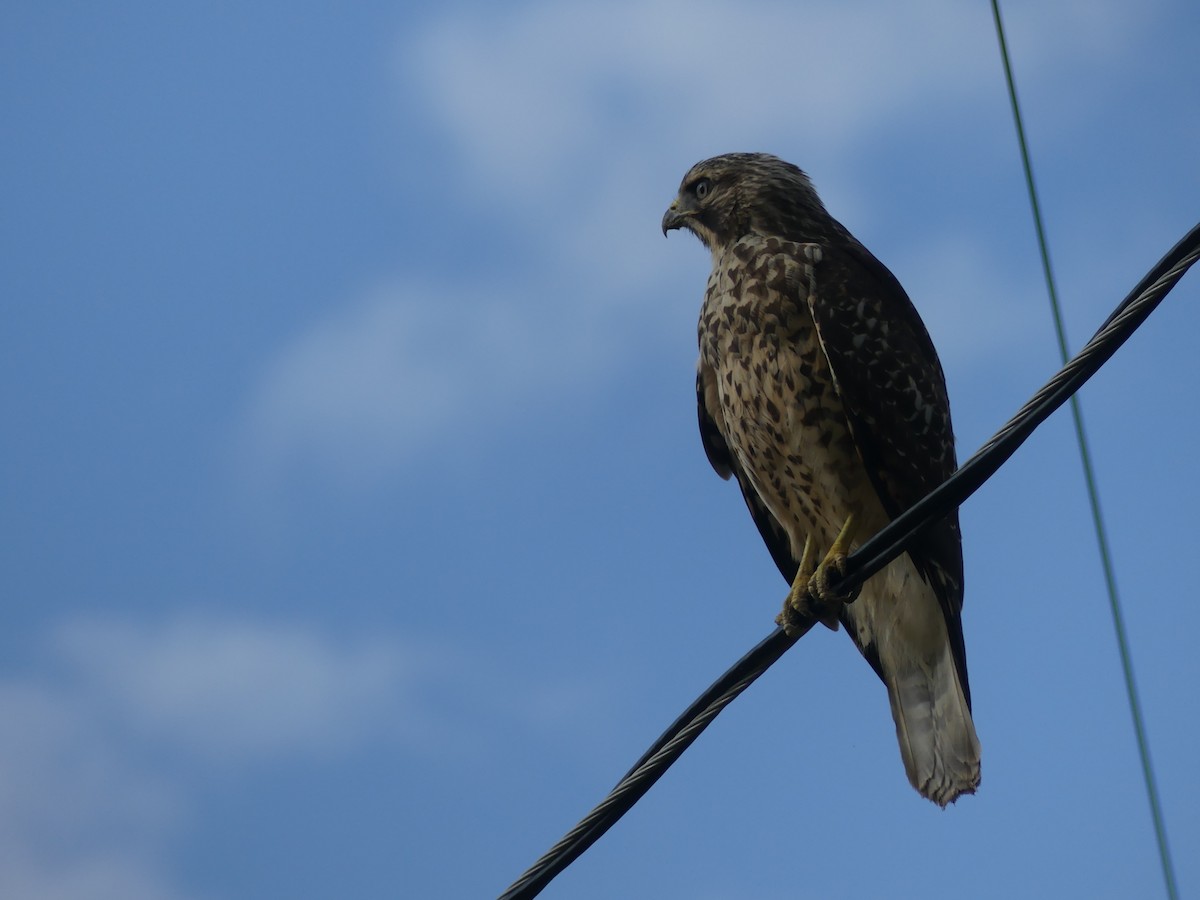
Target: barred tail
x=934, y=727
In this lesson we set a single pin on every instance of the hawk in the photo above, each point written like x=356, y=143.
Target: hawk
x=820, y=391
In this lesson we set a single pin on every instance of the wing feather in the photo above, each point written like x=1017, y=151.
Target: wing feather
x=894, y=393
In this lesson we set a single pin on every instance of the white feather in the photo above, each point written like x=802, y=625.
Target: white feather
x=899, y=613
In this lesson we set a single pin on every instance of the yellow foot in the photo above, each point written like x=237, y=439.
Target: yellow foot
x=812, y=595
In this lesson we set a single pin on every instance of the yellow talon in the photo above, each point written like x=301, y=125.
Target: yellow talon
x=811, y=595
x=841, y=543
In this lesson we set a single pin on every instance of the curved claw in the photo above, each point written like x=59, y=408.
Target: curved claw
x=812, y=596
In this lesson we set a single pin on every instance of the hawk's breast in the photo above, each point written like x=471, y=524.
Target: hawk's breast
x=782, y=414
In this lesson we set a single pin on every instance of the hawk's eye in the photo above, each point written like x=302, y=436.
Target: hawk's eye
x=701, y=188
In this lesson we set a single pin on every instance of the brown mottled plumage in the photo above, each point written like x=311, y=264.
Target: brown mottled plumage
x=820, y=391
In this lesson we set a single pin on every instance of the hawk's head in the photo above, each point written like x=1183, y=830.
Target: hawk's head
x=727, y=197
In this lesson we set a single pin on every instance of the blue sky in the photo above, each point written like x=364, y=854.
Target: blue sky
x=356, y=534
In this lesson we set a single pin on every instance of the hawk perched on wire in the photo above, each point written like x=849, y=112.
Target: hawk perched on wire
x=820, y=391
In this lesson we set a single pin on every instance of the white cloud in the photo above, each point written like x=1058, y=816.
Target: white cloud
x=363, y=384
x=103, y=744
x=78, y=819
x=100, y=744
x=375, y=382
x=554, y=94
x=242, y=691
x=104, y=875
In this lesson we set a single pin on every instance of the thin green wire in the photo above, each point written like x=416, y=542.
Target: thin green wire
x=1135, y=707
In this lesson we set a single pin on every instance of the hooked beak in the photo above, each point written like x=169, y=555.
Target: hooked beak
x=674, y=217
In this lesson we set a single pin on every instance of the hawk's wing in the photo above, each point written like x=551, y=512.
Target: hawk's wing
x=894, y=392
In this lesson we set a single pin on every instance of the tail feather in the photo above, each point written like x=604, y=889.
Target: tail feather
x=934, y=727
x=898, y=625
